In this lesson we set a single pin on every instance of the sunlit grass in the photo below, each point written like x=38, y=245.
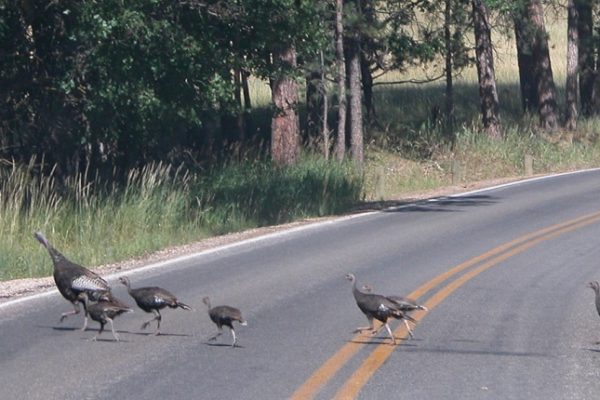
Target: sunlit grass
x=394, y=172
x=260, y=92
x=408, y=152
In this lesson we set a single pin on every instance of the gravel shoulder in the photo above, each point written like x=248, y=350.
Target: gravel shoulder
x=13, y=289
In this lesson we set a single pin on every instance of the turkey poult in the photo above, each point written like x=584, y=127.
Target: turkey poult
x=72, y=279
x=224, y=315
x=596, y=286
x=406, y=305
x=152, y=299
x=378, y=307
x=105, y=310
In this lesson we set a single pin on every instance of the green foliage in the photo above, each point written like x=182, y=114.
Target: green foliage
x=151, y=75
x=415, y=32
x=91, y=83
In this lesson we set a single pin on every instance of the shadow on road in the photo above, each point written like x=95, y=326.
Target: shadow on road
x=385, y=340
x=212, y=344
x=161, y=334
x=97, y=329
x=438, y=204
x=106, y=340
x=481, y=352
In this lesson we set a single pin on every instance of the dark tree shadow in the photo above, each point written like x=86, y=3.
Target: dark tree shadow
x=436, y=204
x=161, y=334
x=213, y=344
x=108, y=339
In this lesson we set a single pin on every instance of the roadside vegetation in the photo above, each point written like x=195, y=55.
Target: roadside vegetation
x=95, y=221
x=98, y=217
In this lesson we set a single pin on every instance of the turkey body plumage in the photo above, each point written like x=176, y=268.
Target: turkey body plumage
x=152, y=299
x=104, y=311
x=224, y=316
x=376, y=306
x=405, y=304
x=596, y=287
x=72, y=279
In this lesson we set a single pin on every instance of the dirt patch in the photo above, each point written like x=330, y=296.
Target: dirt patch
x=13, y=289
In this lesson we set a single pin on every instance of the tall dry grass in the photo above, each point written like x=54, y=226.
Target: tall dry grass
x=94, y=220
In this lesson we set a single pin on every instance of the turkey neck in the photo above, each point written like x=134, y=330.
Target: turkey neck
x=355, y=291
x=206, y=301
x=127, y=284
x=56, y=255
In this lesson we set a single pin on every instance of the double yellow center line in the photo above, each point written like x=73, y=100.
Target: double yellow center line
x=351, y=388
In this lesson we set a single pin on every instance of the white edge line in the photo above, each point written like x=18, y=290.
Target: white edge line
x=202, y=253
x=523, y=181
x=291, y=231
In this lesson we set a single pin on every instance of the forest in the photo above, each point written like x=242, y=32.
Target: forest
x=141, y=124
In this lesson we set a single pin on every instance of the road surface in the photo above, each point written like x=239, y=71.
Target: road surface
x=503, y=272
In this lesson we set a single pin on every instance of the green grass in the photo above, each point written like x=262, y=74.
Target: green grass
x=95, y=221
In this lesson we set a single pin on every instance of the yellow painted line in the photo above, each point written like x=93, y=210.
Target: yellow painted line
x=382, y=352
x=324, y=373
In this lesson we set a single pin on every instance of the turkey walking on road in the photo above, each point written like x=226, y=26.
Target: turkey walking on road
x=224, y=315
x=596, y=286
x=406, y=305
x=378, y=307
x=72, y=279
x=105, y=310
x=152, y=299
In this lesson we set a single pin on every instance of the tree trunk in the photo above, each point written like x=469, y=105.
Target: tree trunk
x=596, y=90
x=314, y=104
x=449, y=100
x=585, y=32
x=529, y=98
x=488, y=94
x=240, y=118
x=246, y=89
x=367, y=85
x=367, y=46
x=325, y=112
x=354, y=86
x=340, y=143
x=285, y=143
x=572, y=64
x=542, y=68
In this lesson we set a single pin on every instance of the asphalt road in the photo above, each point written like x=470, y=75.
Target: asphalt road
x=511, y=318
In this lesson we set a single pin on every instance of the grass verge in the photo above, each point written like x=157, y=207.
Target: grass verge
x=94, y=221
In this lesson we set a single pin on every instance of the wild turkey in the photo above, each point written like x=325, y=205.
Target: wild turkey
x=72, y=279
x=596, y=286
x=406, y=305
x=105, y=310
x=153, y=299
x=224, y=315
x=378, y=307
